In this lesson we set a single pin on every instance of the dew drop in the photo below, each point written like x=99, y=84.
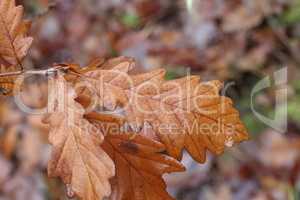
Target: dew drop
x=229, y=142
x=70, y=192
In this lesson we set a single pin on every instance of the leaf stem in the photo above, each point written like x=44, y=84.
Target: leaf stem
x=45, y=72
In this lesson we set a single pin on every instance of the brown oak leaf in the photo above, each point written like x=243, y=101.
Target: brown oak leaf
x=139, y=167
x=185, y=113
x=140, y=161
x=77, y=157
x=7, y=83
x=14, y=43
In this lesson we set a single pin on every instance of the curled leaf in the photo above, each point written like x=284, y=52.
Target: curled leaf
x=77, y=157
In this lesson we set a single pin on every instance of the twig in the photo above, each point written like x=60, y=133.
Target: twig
x=45, y=72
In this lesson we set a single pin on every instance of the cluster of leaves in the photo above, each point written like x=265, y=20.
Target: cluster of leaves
x=96, y=161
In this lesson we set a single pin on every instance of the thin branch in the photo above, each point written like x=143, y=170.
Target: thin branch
x=45, y=72
x=7, y=74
